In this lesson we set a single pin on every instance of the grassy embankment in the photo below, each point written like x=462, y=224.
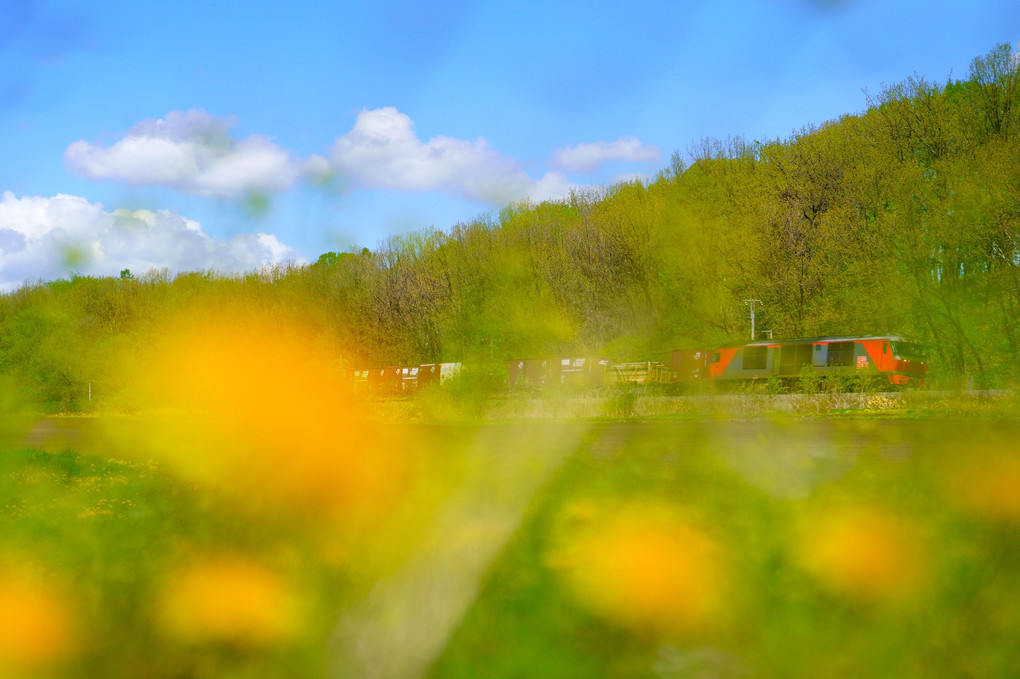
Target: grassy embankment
x=435, y=404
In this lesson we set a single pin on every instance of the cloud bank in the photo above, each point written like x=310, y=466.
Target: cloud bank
x=45, y=238
x=383, y=151
x=587, y=158
x=193, y=152
x=197, y=153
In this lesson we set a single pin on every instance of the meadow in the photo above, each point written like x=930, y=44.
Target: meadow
x=766, y=546
x=189, y=486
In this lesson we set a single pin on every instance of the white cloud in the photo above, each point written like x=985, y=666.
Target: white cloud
x=589, y=157
x=629, y=177
x=45, y=238
x=195, y=152
x=190, y=151
x=383, y=151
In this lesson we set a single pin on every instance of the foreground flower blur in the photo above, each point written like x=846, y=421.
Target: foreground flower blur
x=253, y=405
x=865, y=553
x=647, y=570
x=36, y=630
x=227, y=600
x=989, y=486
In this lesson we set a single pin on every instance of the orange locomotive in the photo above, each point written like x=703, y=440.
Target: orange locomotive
x=886, y=359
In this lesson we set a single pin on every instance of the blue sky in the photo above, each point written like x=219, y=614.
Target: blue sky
x=226, y=135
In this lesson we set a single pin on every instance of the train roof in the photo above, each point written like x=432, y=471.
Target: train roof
x=816, y=340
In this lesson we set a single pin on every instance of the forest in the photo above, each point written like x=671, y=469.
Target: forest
x=902, y=218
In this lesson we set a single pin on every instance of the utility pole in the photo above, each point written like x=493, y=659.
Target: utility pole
x=751, y=302
x=491, y=342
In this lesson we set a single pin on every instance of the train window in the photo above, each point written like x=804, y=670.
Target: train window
x=755, y=358
x=716, y=357
x=840, y=354
x=792, y=357
x=908, y=350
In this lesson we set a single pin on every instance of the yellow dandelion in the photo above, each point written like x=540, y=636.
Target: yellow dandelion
x=258, y=409
x=35, y=625
x=646, y=570
x=989, y=486
x=865, y=553
x=230, y=601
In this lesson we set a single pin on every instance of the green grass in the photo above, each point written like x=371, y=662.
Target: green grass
x=782, y=622
x=437, y=405
x=109, y=531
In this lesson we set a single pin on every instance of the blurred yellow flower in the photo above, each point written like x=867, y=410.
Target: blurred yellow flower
x=647, y=570
x=35, y=625
x=865, y=553
x=255, y=406
x=989, y=486
x=227, y=600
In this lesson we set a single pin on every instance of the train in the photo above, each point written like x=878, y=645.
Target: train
x=883, y=359
x=891, y=361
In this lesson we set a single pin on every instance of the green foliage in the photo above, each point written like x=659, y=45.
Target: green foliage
x=808, y=381
x=623, y=401
x=467, y=393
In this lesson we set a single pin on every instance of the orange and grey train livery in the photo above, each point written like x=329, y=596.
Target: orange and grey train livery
x=888, y=359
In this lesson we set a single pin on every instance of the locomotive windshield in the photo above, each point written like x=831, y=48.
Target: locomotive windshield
x=908, y=350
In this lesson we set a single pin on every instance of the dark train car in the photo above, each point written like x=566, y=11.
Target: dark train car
x=691, y=365
x=888, y=359
x=385, y=380
x=532, y=372
x=409, y=378
x=515, y=373
x=538, y=371
x=359, y=378
x=428, y=373
x=585, y=370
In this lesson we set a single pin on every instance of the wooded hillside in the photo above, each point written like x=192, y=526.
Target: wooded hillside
x=903, y=218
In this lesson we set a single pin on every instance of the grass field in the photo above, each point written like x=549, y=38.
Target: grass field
x=708, y=548
x=848, y=549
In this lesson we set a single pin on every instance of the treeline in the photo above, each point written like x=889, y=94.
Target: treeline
x=904, y=218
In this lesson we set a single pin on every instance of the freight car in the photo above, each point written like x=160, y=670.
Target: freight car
x=645, y=372
x=885, y=360
x=394, y=379
x=540, y=372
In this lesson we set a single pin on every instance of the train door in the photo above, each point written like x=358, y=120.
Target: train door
x=820, y=355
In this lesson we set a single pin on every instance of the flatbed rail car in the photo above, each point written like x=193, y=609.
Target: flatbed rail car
x=885, y=359
x=645, y=372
